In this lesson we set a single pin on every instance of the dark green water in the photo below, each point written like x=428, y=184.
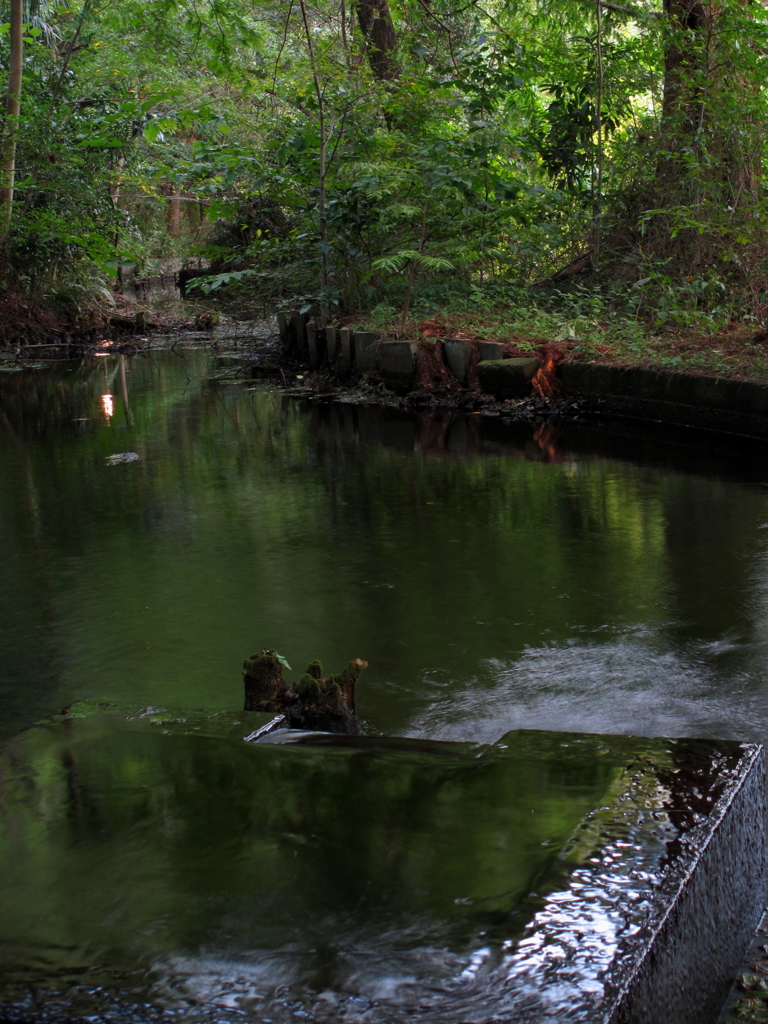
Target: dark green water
x=492, y=579
x=247, y=876
x=155, y=867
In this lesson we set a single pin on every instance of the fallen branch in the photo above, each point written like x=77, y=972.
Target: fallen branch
x=578, y=266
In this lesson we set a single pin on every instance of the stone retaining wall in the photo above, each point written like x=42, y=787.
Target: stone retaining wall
x=684, y=399
x=718, y=403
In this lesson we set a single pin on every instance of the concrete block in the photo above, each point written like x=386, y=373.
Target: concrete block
x=282, y=330
x=347, y=350
x=458, y=352
x=311, y=330
x=397, y=357
x=491, y=349
x=331, y=341
x=297, y=333
x=508, y=378
x=366, y=350
x=316, y=346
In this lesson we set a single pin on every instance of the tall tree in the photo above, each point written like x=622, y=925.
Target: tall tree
x=12, y=110
x=706, y=95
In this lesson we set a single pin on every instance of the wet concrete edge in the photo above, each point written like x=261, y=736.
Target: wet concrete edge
x=715, y=403
x=686, y=967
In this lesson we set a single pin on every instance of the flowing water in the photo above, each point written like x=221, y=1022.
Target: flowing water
x=495, y=577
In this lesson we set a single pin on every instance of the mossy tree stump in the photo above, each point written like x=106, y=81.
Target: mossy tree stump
x=314, y=702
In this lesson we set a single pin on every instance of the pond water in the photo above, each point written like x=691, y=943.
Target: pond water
x=494, y=577
x=587, y=578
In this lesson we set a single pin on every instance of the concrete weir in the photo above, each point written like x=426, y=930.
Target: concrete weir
x=546, y=878
x=657, y=893
x=680, y=965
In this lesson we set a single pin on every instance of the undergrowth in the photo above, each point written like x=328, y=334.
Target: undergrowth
x=592, y=325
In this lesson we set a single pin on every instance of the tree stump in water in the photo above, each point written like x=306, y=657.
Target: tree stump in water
x=326, y=704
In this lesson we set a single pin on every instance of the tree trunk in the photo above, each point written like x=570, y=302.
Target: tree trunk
x=379, y=32
x=694, y=62
x=682, y=60
x=322, y=170
x=201, y=222
x=681, y=107
x=174, y=214
x=412, y=272
x=12, y=109
x=115, y=183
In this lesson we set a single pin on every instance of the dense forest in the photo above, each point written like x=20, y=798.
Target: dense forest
x=597, y=161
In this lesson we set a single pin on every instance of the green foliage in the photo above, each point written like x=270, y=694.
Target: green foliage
x=478, y=161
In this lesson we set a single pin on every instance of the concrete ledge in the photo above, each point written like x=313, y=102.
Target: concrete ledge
x=718, y=403
x=507, y=378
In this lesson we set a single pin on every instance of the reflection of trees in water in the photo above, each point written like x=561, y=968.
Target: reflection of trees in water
x=28, y=659
x=285, y=508
x=212, y=834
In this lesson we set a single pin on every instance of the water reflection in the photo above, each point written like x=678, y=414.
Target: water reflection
x=154, y=862
x=492, y=575
x=371, y=871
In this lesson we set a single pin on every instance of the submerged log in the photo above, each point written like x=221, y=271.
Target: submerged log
x=314, y=702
